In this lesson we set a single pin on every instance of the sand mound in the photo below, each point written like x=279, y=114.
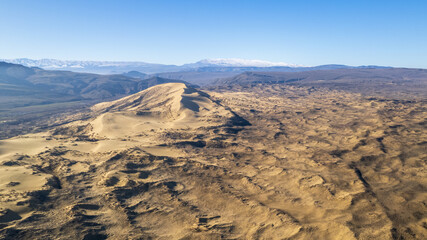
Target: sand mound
x=170, y=105
x=170, y=101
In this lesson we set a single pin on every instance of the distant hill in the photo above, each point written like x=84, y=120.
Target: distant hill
x=199, y=78
x=154, y=80
x=374, y=81
x=206, y=75
x=192, y=78
x=135, y=74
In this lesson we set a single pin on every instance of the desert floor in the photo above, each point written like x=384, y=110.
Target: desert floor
x=258, y=162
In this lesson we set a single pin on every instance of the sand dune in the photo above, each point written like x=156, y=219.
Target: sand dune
x=268, y=162
x=172, y=105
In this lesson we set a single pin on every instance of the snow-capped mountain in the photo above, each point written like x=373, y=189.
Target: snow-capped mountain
x=237, y=62
x=111, y=67
x=60, y=64
x=83, y=66
x=206, y=65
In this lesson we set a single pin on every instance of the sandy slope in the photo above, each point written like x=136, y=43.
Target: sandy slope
x=270, y=162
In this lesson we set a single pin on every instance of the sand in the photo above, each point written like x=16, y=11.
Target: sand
x=268, y=162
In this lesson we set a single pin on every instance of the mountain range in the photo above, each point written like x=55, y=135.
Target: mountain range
x=22, y=86
x=206, y=65
x=28, y=93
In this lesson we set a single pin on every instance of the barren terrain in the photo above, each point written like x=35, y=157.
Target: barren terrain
x=260, y=162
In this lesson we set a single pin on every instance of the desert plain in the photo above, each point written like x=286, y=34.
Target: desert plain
x=257, y=161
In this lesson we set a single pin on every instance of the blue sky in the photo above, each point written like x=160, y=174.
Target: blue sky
x=375, y=32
